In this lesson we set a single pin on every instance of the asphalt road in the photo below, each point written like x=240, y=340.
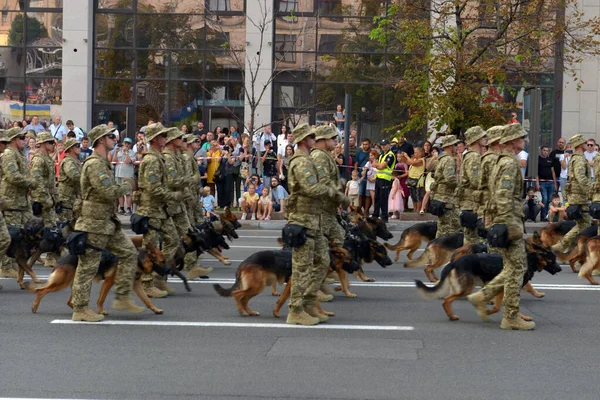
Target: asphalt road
x=388, y=343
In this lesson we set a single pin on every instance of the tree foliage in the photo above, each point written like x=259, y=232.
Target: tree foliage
x=455, y=49
x=35, y=30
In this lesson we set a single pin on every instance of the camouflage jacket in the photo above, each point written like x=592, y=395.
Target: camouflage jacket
x=578, y=187
x=99, y=191
x=306, y=191
x=445, y=181
x=488, y=161
x=327, y=173
x=596, y=184
x=506, y=189
x=177, y=180
x=69, y=181
x=153, y=188
x=192, y=193
x=16, y=180
x=43, y=171
x=467, y=192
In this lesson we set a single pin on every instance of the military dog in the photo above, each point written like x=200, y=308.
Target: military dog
x=579, y=254
x=437, y=253
x=592, y=259
x=554, y=232
x=461, y=276
x=266, y=268
x=149, y=259
x=412, y=237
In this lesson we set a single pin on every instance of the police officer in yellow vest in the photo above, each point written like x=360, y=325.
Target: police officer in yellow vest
x=383, y=182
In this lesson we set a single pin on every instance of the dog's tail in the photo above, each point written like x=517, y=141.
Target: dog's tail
x=421, y=261
x=221, y=291
x=31, y=287
x=434, y=292
x=400, y=242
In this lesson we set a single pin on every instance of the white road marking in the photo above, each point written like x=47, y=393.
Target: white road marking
x=256, y=247
x=238, y=325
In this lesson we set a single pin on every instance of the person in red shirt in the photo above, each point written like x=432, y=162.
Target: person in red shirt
x=513, y=118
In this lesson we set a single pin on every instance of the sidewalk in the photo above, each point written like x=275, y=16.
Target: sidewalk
x=394, y=225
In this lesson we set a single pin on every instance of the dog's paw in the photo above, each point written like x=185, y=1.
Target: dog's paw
x=275, y=294
x=253, y=313
x=338, y=288
x=350, y=295
x=157, y=311
x=370, y=280
x=226, y=262
x=103, y=312
x=539, y=295
x=328, y=313
x=454, y=318
x=526, y=317
x=276, y=314
x=37, y=280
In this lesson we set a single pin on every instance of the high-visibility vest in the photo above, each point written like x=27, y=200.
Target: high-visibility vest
x=386, y=173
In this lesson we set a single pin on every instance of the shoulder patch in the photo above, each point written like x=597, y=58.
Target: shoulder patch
x=104, y=179
x=506, y=181
x=310, y=177
x=11, y=167
x=152, y=176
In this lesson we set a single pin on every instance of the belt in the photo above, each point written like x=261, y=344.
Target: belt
x=14, y=210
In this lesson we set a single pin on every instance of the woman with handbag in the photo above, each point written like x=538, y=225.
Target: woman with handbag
x=416, y=176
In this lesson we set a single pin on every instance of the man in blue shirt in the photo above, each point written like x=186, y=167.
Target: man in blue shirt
x=35, y=125
x=361, y=159
x=278, y=194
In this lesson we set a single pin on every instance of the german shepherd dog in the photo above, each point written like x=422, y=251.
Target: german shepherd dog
x=554, y=232
x=461, y=276
x=579, y=254
x=412, y=237
x=149, y=259
x=592, y=259
x=437, y=253
x=269, y=267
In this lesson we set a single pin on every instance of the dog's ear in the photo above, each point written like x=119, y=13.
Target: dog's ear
x=537, y=238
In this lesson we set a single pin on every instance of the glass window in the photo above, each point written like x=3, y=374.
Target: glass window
x=114, y=30
x=12, y=61
x=151, y=64
x=45, y=3
x=151, y=97
x=303, y=27
x=43, y=61
x=185, y=102
x=113, y=91
x=15, y=26
x=285, y=47
x=43, y=91
x=162, y=31
x=330, y=7
x=229, y=94
x=114, y=63
x=170, y=6
x=219, y=5
x=221, y=68
x=44, y=29
x=186, y=65
x=12, y=98
x=112, y=4
x=287, y=6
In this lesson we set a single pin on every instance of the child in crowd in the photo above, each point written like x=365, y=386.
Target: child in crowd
x=249, y=202
x=396, y=199
x=265, y=206
x=208, y=201
x=353, y=187
x=558, y=212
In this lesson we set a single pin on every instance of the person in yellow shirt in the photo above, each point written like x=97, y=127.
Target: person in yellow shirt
x=416, y=176
x=250, y=202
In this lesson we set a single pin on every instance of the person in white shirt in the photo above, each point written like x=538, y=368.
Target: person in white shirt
x=79, y=134
x=589, y=155
x=260, y=138
x=111, y=125
x=564, y=167
x=523, y=156
x=281, y=138
x=283, y=144
x=58, y=130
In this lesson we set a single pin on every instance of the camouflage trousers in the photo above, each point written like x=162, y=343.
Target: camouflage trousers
x=309, y=267
x=192, y=211
x=118, y=244
x=168, y=232
x=332, y=229
x=67, y=214
x=448, y=223
x=471, y=236
x=17, y=219
x=568, y=241
x=50, y=219
x=510, y=279
x=182, y=224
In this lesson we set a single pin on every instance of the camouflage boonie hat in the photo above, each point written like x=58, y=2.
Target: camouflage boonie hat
x=301, y=132
x=44, y=137
x=13, y=132
x=3, y=136
x=70, y=143
x=99, y=131
x=189, y=138
x=449, y=140
x=577, y=140
x=172, y=133
x=325, y=132
x=473, y=134
x=153, y=131
x=495, y=133
x=512, y=132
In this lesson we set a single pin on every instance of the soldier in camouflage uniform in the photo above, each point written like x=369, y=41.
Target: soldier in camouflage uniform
x=44, y=172
x=100, y=193
x=69, y=175
x=192, y=195
x=180, y=181
x=4, y=235
x=309, y=261
x=577, y=191
x=444, y=186
x=154, y=197
x=506, y=189
x=467, y=192
x=15, y=187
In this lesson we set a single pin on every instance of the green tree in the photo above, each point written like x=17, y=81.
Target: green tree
x=35, y=30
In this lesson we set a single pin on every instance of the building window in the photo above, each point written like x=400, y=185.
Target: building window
x=285, y=46
x=330, y=7
x=328, y=42
x=218, y=42
x=288, y=6
x=219, y=5
x=4, y=18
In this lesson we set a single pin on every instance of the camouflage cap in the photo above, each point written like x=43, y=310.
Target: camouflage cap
x=13, y=133
x=172, y=133
x=3, y=136
x=189, y=138
x=70, y=142
x=99, y=131
x=153, y=131
x=44, y=137
x=449, y=140
x=473, y=134
x=301, y=132
x=512, y=132
x=495, y=133
x=577, y=140
x=325, y=132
